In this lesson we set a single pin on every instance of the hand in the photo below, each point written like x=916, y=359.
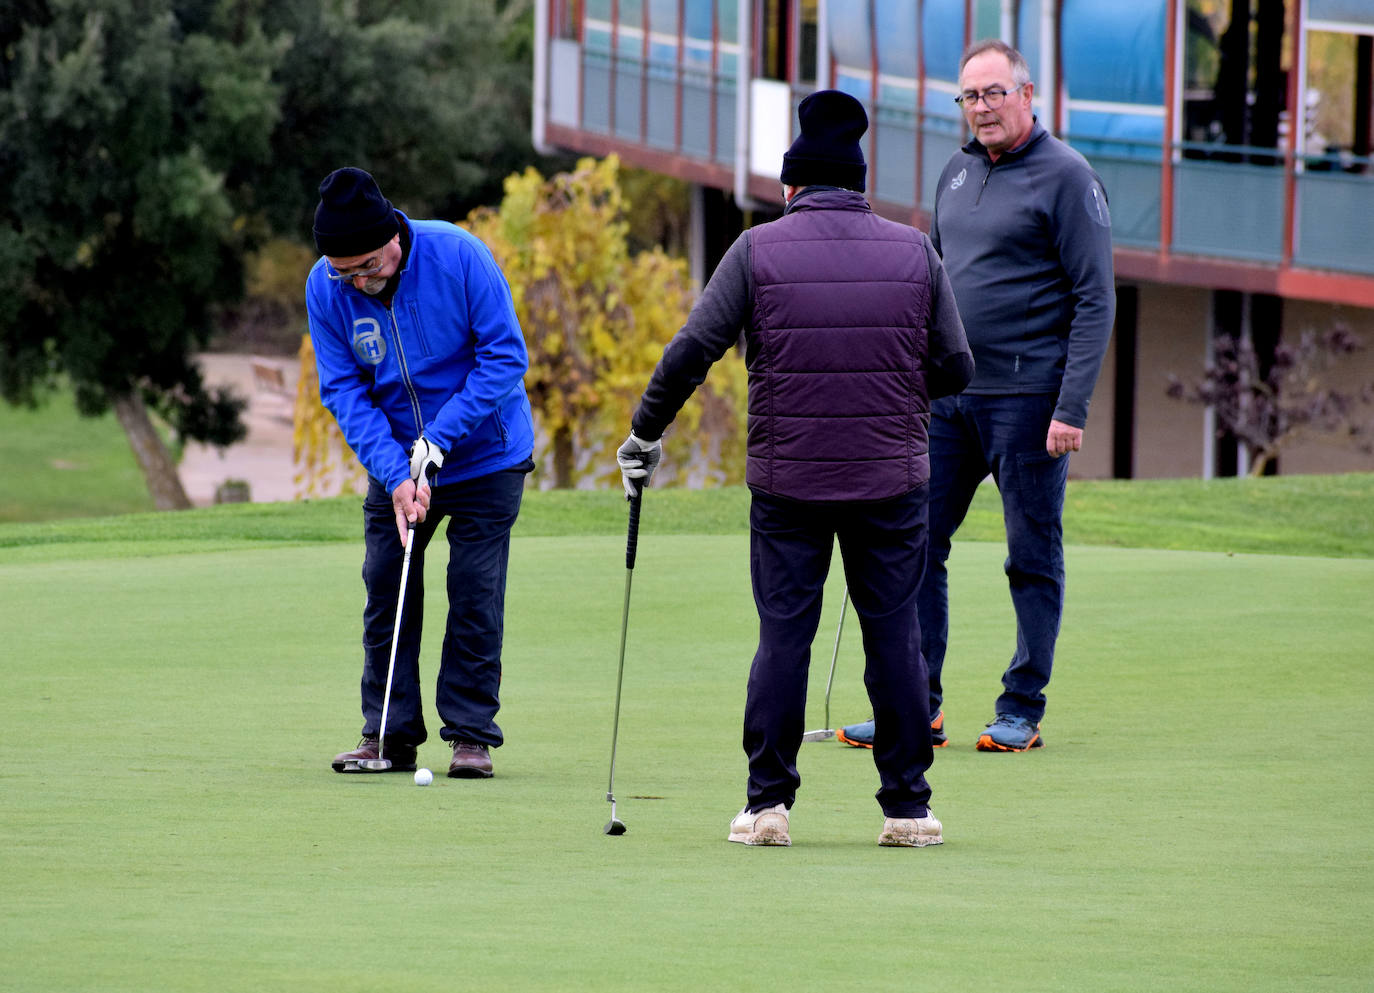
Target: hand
x=1063, y=438
x=411, y=505
x=638, y=459
x=426, y=459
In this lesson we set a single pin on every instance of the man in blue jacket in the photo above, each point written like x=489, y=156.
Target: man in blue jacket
x=850, y=330
x=1022, y=225
x=422, y=363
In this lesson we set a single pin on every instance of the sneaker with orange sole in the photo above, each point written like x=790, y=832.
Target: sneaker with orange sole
x=1009, y=733
x=861, y=735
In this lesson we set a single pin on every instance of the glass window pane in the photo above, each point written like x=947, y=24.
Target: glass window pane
x=895, y=22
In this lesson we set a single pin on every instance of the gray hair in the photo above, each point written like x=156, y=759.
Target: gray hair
x=1020, y=69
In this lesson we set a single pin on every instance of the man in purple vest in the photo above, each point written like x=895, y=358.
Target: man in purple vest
x=851, y=329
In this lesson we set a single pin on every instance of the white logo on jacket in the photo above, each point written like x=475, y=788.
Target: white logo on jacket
x=368, y=343
x=959, y=179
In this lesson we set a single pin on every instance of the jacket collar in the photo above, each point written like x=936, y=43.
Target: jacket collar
x=826, y=198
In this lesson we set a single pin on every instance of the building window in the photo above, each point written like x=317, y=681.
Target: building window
x=1336, y=119
x=567, y=19
x=1235, y=78
x=774, y=40
x=808, y=19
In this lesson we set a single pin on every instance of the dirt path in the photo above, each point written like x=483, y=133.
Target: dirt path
x=263, y=459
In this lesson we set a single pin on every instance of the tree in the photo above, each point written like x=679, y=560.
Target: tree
x=148, y=146
x=1269, y=409
x=117, y=127
x=431, y=96
x=596, y=319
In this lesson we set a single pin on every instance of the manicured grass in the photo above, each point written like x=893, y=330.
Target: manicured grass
x=58, y=465
x=1198, y=820
x=1286, y=515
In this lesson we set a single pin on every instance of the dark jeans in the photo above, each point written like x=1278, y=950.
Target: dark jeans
x=480, y=515
x=970, y=437
x=882, y=546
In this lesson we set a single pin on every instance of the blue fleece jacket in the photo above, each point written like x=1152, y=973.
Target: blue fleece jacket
x=444, y=358
x=1027, y=244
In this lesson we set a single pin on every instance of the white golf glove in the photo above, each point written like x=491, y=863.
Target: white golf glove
x=426, y=459
x=638, y=459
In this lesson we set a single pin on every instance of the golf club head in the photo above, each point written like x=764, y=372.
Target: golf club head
x=614, y=826
x=818, y=735
x=374, y=765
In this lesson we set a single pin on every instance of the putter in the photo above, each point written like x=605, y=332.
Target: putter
x=615, y=825
x=381, y=763
x=828, y=731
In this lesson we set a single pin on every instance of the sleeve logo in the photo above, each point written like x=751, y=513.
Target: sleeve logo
x=1095, y=203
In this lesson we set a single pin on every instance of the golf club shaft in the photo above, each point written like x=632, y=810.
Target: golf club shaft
x=395, y=639
x=830, y=681
x=631, y=544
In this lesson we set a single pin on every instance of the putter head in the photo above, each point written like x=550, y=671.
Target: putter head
x=374, y=765
x=818, y=735
x=614, y=826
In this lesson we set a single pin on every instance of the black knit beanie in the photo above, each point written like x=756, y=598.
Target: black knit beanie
x=353, y=217
x=827, y=152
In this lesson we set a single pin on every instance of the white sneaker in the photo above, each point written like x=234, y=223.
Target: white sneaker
x=912, y=832
x=762, y=827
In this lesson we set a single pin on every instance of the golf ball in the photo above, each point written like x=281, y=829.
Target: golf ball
x=423, y=777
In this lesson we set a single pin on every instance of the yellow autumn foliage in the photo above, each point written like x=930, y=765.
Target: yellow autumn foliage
x=595, y=320
x=323, y=460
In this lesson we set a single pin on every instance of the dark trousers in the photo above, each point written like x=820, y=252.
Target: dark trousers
x=970, y=437
x=480, y=515
x=883, y=547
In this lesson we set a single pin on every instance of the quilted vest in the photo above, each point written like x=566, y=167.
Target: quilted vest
x=836, y=350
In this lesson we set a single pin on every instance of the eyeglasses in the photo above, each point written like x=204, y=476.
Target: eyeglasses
x=363, y=273
x=993, y=97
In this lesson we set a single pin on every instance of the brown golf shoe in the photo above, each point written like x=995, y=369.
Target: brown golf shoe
x=401, y=757
x=470, y=761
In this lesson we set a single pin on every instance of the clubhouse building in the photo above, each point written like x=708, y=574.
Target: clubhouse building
x=1233, y=138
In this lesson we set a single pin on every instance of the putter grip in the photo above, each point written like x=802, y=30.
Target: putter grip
x=632, y=537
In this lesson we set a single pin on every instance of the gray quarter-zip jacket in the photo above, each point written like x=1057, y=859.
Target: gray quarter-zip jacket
x=1027, y=244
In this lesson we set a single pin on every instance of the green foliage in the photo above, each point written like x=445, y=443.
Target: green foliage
x=424, y=94
x=147, y=147
x=596, y=319
x=117, y=128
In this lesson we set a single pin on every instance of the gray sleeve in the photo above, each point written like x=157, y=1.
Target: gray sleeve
x=949, y=357
x=1083, y=237
x=712, y=328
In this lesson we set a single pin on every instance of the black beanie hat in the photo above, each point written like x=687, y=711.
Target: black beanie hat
x=827, y=152
x=353, y=217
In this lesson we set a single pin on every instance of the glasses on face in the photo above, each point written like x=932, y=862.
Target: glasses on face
x=365, y=272
x=993, y=97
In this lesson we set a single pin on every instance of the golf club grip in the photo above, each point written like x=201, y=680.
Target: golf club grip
x=632, y=537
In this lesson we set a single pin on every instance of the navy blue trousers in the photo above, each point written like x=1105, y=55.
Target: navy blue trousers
x=480, y=515
x=970, y=437
x=883, y=548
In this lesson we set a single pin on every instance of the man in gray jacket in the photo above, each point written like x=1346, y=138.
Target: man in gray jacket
x=850, y=329
x=1021, y=223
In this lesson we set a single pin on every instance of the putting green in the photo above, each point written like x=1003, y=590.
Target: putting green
x=1199, y=819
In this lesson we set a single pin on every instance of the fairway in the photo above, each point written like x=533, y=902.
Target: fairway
x=1200, y=818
